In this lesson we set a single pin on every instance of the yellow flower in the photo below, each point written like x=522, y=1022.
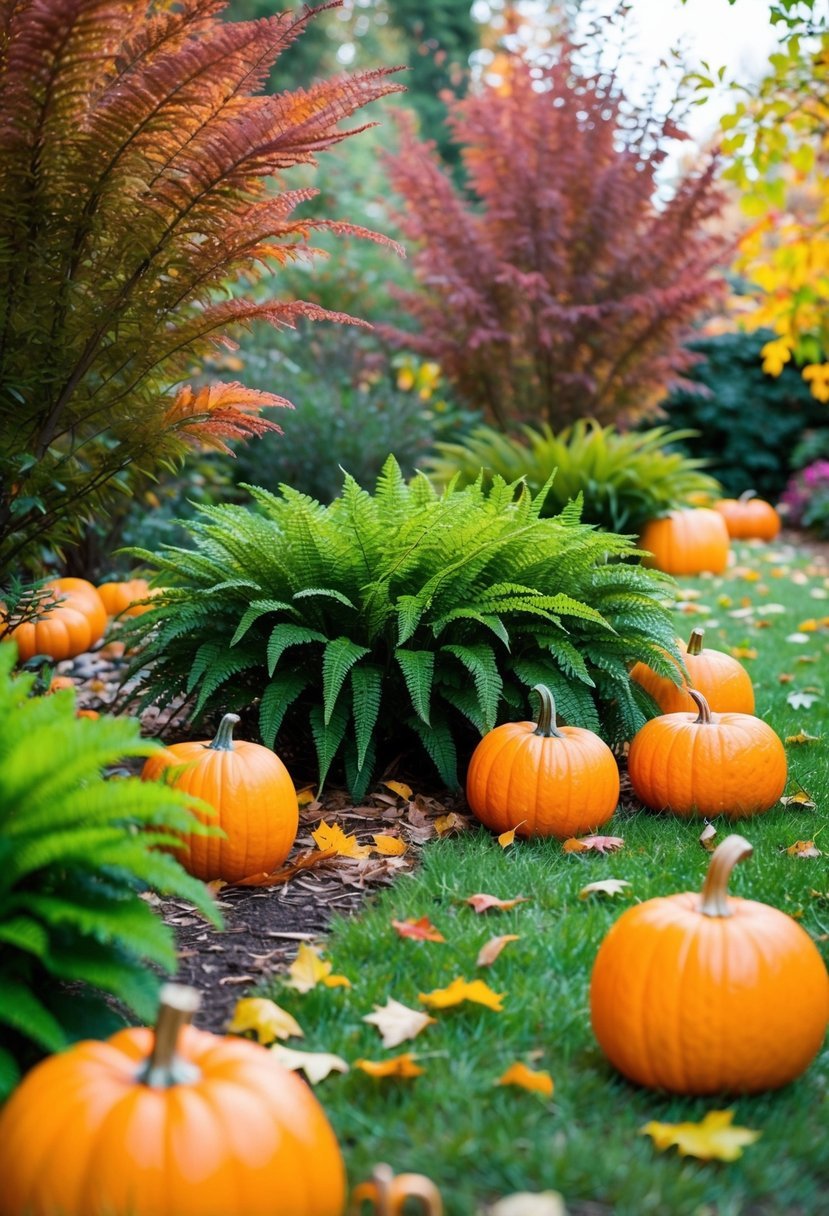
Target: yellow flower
x=817, y=376
x=775, y=354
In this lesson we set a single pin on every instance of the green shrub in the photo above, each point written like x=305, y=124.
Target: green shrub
x=746, y=423
x=624, y=478
x=402, y=612
x=76, y=850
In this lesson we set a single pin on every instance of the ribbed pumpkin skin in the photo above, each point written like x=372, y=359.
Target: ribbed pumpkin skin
x=702, y=1005
x=71, y=622
x=255, y=801
x=735, y=765
x=749, y=519
x=83, y=594
x=117, y=597
x=688, y=541
x=542, y=786
x=80, y=1137
x=722, y=680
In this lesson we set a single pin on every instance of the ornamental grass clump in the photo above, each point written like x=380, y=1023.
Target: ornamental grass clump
x=399, y=616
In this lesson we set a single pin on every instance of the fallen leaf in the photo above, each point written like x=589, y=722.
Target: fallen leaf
x=306, y=861
x=489, y=952
x=445, y=824
x=743, y=652
x=400, y=788
x=265, y=1017
x=399, y=1066
x=803, y=736
x=798, y=639
x=714, y=1139
x=803, y=848
x=598, y=844
x=508, y=838
x=484, y=903
x=389, y=846
x=802, y=700
x=525, y=1203
x=305, y=796
x=605, y=886
x=461, y=990
x=527, y=1078
x=785, y=677
x=800, y=799
x=215, y=885
x=309, y=969
x=421, y=930
x=331, y=836
x=397, y=1023
x=707, y=837
x=809, y=626
x=315, y=1064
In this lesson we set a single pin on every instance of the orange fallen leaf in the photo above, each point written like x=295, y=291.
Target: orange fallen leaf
x=743, y=652
x=331, y=836
x=309, y=969
x=714, y=1139
x=803, y=848
x=484, y=903
x=799, y=799
x=306, y=861
x=809, y=626
x=399, y=1066
x=508, y=838
x=461, y=990
x=606, y=886
x=598, y=844
x=445, y=824
x=421, y=930
x=305, y=796
x=389, y=846
x=803, y=736
x=400, y=788
x=785, y=677
x=267, y=1019
x=490, y=951
x=316, y=1065
x=527, y=1078
x=397, y=1023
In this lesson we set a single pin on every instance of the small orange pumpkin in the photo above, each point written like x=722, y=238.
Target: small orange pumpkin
x=722, y=680
x=703, y=994
x=254, y=797
x=78, y=591
x=70, y=621
x=692, y=540
x=712, y=764
x=119, y=598
x=175, y=1122
x=749, y=517
x=542, y=779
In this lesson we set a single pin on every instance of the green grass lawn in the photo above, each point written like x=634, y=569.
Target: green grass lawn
x=479, y=1141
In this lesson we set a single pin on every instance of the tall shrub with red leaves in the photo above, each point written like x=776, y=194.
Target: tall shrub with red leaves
x=142, y=173
x=556, y=287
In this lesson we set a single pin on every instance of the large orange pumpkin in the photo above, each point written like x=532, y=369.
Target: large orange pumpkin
x=749, y=518
x=542, y=779
x=702, y=994
x=119, y=598
x=722, y=680
x=711, y=764
x=254, y=797
x=176, y=1122
x=688, y=541
x=70, y=621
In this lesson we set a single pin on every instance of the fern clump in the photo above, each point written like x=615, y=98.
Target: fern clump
x=76, y=851
x=402, y=612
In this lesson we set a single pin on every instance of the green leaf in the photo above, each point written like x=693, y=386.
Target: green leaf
x=481, y=663
x=338, y=658
x=418, y=668
x=366, y=692
x=285, y=635
x=328, y=736
x=21, y=1010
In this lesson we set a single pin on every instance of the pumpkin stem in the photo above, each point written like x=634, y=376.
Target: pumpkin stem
x=164, y=1067
x=747, y=495
x=704, y=717
x=545, y=723
x=695, y=641
x=223, y=742
x=387, y=1194
x=714, y=897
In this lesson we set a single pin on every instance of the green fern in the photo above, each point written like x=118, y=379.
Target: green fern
x=623, y=478
x=402, y=616
x=76, y=850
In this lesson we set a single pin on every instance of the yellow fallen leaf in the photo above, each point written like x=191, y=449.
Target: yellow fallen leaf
x=400, y=788
x=490, y=951
x=743, y=652
x=265, y=1017
x=800, y=799
x=445, y=824
x=803, y=736
x=399, y=1066
x=809, y=626
x=605, y=886
x=389, y=846
x=527, y=1078
x=331, y=836
x=315, y=1064
x=461, y=990
x=507, y=838
x=305, y=796
x=484, y=903
x=803, y=848
x=714, y=1139
x=309, y=969
x=397, y=1023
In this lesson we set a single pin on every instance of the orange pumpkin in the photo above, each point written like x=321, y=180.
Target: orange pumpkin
x=175, y=1122
x=542, y=779
x=748, y=517
x=725, y=683
x=703, y=994
x=689, y=541
x=254, y=797
x=711, y=764
x=70, y=621
x=80, y=592
x=119, y=598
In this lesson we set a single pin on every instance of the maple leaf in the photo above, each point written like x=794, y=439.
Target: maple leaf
x=331, y=836
x=707, y=837
x=490, y=951
x=799, y=799
x=606, y=886
x=461, y=990
x=315, y=1064
x=714, y=1139
x=421, y=930
x=803, y=848
x=598, y=844
x=485, y=903
x=802, y=700
x=527, y=1078
x=389, y=846
x=265, y=1017
x=526, y=1203
x=399, y=1066
x=309, y=969
x=397, y=1023
x=802, y=736
x=400, y=788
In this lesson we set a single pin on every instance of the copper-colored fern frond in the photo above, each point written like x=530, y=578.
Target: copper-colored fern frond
x=221, y=411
